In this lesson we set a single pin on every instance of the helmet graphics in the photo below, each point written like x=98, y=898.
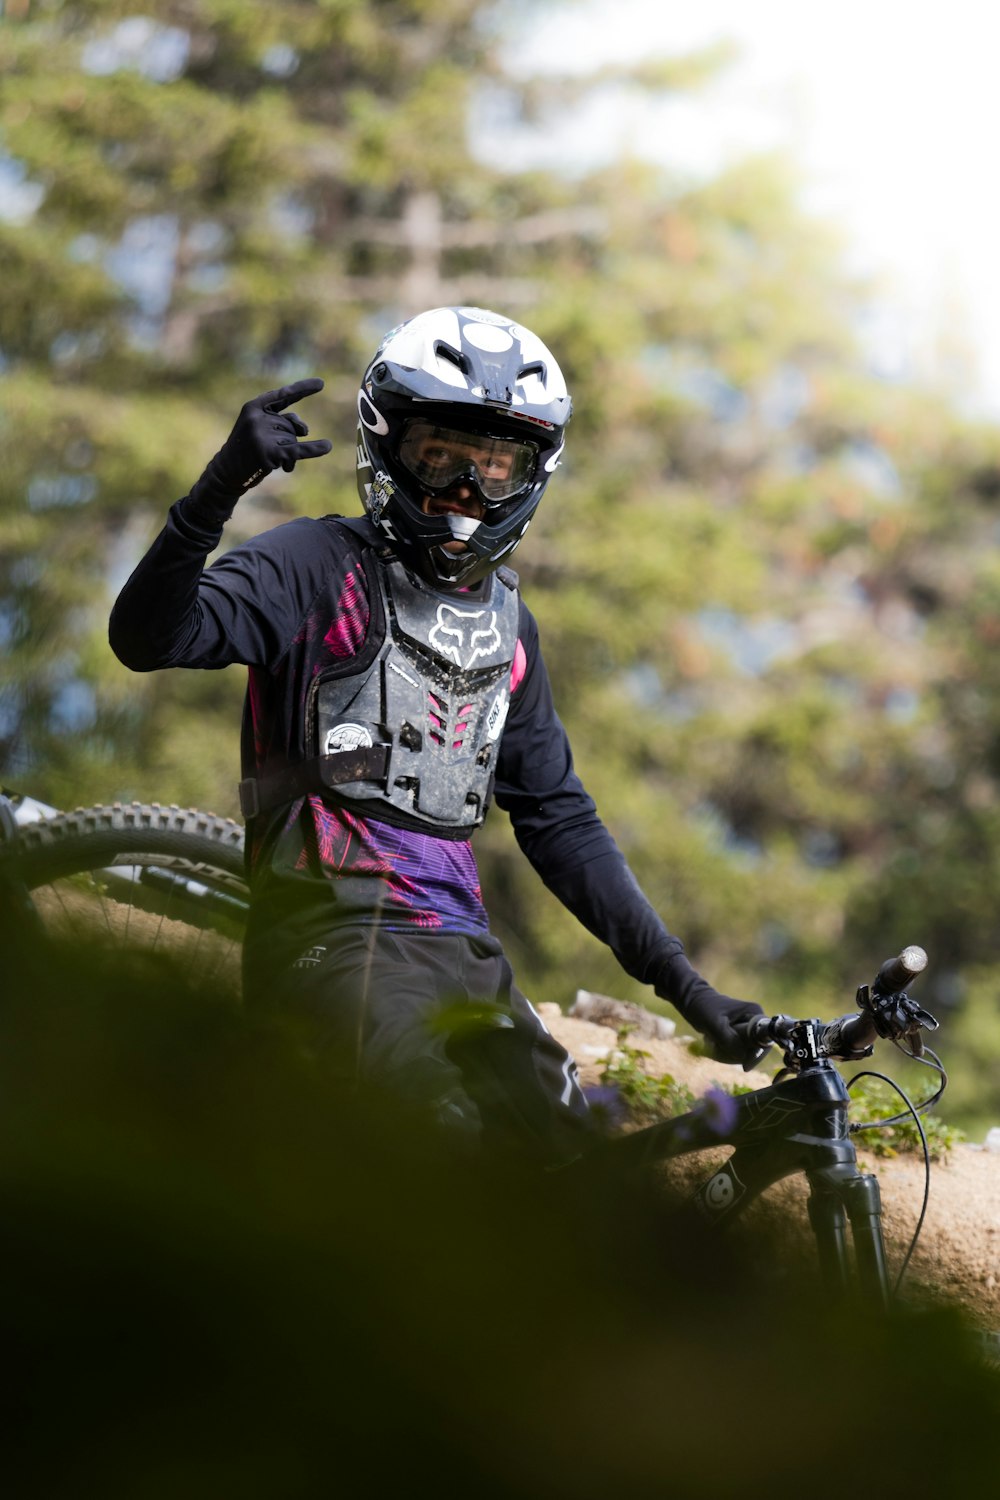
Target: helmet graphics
x=460, y=426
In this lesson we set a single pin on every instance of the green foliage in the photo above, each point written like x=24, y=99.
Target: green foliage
x=970, y=1046
x=647, y=1096
x=872, y=1099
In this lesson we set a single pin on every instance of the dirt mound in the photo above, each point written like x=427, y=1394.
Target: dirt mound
x=956, y=1259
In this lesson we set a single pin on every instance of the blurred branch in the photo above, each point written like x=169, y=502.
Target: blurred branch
x=543, y=95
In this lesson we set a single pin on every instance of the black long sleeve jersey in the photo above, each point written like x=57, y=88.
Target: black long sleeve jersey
x=288, y=603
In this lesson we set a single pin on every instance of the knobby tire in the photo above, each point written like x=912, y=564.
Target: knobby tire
x=140, y=875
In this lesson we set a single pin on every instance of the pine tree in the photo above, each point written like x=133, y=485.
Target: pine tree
x=764, y=576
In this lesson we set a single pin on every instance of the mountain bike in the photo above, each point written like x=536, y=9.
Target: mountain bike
x=146, y=875
x=130, y=874
x=799, y=1123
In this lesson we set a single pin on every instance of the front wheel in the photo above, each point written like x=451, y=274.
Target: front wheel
x=164, y=879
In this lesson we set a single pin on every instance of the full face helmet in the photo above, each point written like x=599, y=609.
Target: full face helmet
x=458, y=404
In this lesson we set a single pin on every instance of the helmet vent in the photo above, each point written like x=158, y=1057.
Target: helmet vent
x=536, y=369
x=453, y=357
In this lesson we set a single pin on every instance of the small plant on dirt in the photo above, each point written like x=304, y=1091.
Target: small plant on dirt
x=645, y=1095
x=871, y=1099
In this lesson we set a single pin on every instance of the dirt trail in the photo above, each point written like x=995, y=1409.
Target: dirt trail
x=958, y=1256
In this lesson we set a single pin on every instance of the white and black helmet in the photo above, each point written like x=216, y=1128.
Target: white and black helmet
x=454, y=395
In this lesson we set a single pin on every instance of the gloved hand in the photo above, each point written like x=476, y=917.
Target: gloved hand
x=266, y=437
x=713, y=1014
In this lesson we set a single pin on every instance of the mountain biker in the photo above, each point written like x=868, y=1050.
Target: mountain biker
x=396, y=687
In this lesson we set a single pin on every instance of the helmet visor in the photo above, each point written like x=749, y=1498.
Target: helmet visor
x=500, y=467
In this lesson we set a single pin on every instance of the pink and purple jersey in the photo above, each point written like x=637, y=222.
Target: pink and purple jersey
x=288, y=604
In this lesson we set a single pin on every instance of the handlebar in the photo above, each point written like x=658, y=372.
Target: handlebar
x=884, y=1010
x=896, y=973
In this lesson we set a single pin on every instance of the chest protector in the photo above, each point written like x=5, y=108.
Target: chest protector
x=420, y=711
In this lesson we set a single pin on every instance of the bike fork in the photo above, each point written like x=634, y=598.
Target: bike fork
x=841, y=1195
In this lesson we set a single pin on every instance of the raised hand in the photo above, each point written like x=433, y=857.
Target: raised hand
x=266, y=436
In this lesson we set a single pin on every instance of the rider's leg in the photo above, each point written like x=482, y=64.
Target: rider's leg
x=437, y=1020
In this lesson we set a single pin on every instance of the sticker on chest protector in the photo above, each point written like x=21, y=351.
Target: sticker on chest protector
x=497, y=715
x=347, y=737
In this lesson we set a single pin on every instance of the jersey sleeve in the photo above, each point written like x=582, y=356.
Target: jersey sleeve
x=557, y=826
x=246, y=607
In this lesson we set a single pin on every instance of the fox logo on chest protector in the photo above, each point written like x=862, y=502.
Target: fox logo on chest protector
x=463, y=636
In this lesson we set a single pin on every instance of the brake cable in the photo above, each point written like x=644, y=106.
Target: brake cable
x=929, y=1059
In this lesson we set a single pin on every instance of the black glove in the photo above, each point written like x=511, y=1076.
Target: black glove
x=265, y=437
x=714, y=1015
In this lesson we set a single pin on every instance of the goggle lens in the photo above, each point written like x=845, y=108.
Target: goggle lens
x=440, y=456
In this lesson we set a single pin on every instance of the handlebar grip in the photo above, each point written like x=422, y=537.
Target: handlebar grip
x=896, y=973
x=760, y=1032
x=850, y=1037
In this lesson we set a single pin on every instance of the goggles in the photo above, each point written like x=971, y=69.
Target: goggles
x=439, y=457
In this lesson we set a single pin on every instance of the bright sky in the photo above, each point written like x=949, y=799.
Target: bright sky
x=890, y=107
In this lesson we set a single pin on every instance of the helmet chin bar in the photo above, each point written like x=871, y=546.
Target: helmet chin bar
x=452, y=570
x=450, y=567
x=480, y=554
x=438, y=566
x=454, y=567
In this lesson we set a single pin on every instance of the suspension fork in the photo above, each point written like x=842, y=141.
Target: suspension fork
x=801, y=1125
x=798, y=1124
x=841, y=1194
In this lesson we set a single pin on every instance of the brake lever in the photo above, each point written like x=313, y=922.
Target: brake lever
x=920, y=1020
x=895, y=1016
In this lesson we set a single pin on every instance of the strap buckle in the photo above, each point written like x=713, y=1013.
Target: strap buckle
x=249, y=798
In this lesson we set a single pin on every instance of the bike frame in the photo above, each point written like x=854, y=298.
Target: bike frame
x=797, y=1124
